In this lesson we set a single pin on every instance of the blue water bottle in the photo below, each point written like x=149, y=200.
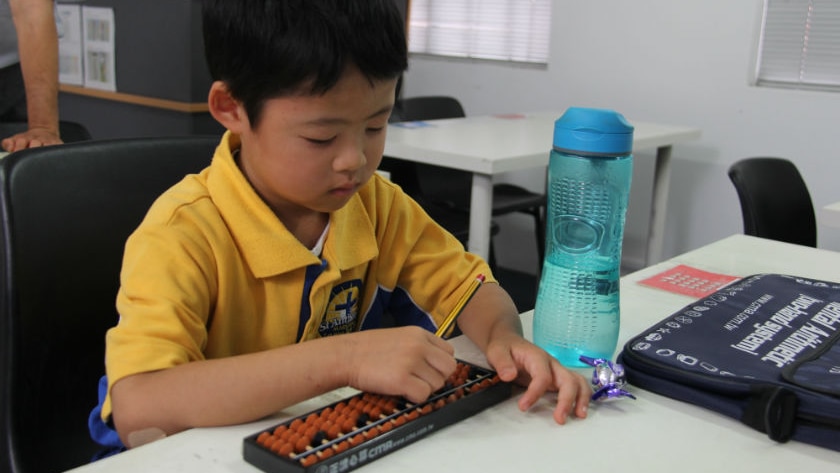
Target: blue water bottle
x=589, y=174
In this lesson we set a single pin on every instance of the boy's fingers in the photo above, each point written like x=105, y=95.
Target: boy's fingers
x=573, y=393
x=503, y=363
x=541, y=380
x=443, y=364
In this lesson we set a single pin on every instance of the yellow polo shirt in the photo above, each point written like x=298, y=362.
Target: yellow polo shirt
x=211, y=272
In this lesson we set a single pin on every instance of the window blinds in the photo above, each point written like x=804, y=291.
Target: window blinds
x=504, y=30
x=799, y=44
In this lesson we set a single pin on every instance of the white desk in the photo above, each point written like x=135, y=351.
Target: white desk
x=830, y=215
x=488, y=145
x=652, y=434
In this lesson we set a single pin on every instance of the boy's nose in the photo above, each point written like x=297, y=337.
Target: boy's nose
x=351, y=158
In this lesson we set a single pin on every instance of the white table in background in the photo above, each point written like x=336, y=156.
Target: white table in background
x=489, y=145
x=830, y=215
x=653, y=434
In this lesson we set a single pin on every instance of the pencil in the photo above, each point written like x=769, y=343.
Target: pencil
x=459, y=307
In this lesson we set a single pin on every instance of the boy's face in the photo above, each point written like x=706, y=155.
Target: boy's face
x=311, y=153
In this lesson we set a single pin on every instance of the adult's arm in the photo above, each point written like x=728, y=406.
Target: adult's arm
x=38, y=49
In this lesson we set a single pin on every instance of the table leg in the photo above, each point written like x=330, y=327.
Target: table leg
x=481, y=209
x=658, y=205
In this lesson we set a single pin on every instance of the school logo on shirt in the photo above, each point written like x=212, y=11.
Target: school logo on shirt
x=342, y=310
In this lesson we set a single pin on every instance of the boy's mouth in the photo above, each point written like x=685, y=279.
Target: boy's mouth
x=345, y=189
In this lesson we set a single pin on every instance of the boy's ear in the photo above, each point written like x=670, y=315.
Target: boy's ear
x=228, y=111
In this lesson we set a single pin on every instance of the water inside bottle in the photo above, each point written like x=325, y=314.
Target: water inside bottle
x=577, y=306
x=579, y=309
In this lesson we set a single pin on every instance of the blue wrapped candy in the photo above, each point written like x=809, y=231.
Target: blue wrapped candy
x=608, y=379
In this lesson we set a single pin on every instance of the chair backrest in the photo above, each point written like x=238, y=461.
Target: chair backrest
x=440, y=185
x=775, y=201
x=70, y=132
x=65, y=213
x=430, y=107
x=405, y=173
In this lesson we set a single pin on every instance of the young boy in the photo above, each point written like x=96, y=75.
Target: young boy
x=263, y=280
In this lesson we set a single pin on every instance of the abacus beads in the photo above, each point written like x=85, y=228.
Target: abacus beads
x=335, y=429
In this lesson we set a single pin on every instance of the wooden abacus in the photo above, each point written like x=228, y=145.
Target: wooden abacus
x=359, y=429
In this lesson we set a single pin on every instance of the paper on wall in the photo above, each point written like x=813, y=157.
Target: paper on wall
x=68, y=21
x=99, y=55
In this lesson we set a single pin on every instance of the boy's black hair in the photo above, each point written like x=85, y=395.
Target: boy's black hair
x=264, y=49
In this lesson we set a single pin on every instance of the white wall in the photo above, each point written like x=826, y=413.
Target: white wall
x=681, y=62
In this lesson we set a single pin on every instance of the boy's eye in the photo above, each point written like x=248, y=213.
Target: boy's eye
x=319, y=141
x=376, y=129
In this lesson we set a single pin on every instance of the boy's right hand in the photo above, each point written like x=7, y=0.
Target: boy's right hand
x=405, y=361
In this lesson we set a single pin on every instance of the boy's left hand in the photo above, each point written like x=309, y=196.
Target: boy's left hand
x=516, y=359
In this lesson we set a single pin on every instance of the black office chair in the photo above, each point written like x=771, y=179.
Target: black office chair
x=65, y=214
x=457, y=223
x=775, y=201
x=70, y=132
x=452, y=187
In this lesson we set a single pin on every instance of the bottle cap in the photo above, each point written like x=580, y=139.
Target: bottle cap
x=593, y=131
